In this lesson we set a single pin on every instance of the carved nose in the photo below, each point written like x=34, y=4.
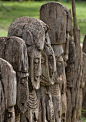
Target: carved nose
x=65, y=57
x=53, y=69
x=37, y=78
x=59, y=64
x=0, y=76
x=52, y=73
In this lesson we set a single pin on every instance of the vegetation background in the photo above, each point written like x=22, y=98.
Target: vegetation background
x=31, y=9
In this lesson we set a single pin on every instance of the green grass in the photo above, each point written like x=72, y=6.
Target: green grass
x=83, y=118
x=31, y=9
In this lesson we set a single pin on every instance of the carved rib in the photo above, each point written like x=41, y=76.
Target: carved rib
x=32, y=102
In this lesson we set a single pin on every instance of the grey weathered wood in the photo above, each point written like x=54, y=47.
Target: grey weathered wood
x=8, y=87
x=15, y=52
x=59, y=20
x=70, y=80
x=48, y=68
x=33, y=32
x=77, y=64
x=54, y=93
x=84, y=76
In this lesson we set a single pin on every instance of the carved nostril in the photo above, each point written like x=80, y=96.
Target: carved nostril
x=52, y=73
x=22, y=104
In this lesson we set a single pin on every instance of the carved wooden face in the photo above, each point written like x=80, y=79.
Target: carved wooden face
x=10, y=114
x=58, y=49
x=51, y=64
x=19, y=60
x=51, y=59
x=22, y=90
x=47, y=66
x=48, y=63
x=59, y=64
x=35, y=67
x=37, y=70
x=66, y=51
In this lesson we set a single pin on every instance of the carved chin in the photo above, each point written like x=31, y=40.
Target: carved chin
x=23, y=108
x=36, y=83
x=51, y=76
x=59, y=79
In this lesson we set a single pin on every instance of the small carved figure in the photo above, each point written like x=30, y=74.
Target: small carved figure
x=70, y=79
x=7, y=92
x=45, y=97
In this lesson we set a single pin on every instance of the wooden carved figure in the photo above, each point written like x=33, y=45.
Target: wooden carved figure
x=59, y=20
x=13, y=49
x=33, y=32
x=7, y=91
x=46, y=108
x=70, y=78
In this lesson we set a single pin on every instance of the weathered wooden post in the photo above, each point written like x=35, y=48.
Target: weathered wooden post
x=8, y=85
x=57, y=16
x=33, y=32
x=70, y=78
x=48, y=68
x=84, y=77
x=77, y=65
x=13, y=50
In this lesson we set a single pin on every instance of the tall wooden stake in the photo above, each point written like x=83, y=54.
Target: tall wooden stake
x=74, y=13
x=77, y=68
x=4, y=6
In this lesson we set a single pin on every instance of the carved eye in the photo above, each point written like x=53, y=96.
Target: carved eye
x=50, y=57
x=9, y=115
x=22, y=81
x=59, y=63
x=36, y=60
x=42, y=61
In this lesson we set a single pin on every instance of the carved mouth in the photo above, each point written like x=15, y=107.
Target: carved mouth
x=36, y=83
x=59, y=79
x=52, y=74
x=23, y=108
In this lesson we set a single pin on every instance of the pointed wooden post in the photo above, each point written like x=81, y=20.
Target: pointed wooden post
x=78, y=68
